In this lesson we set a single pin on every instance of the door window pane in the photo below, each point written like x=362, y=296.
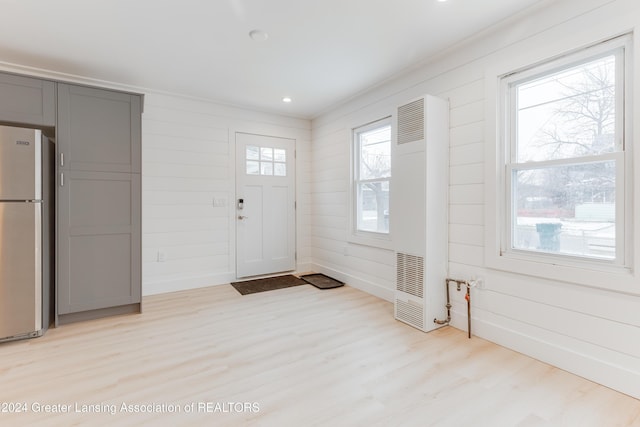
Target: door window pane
x=253, y=168
x=279, y=155
x=253, y=153
x=280, y=169
x=266, y=153
x=266, y=168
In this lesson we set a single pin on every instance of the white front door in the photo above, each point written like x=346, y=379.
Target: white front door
x=265, y=205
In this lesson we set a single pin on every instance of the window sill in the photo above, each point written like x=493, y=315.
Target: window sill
x=585, y=273
x=374, y=240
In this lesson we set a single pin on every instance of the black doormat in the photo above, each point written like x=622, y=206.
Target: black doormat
x=321, y=281
x=268, y=284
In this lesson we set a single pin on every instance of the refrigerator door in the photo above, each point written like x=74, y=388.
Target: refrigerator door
x=20, y=160
x=20, y=270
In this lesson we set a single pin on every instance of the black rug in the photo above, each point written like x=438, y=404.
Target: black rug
x=268, y=284
x=321, y=281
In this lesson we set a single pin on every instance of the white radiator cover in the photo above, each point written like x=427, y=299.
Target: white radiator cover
x=419, y=210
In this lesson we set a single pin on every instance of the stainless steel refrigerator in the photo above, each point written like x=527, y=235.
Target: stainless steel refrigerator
x=26, y=232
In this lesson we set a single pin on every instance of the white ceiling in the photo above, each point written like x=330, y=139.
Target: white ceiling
x=318, y=52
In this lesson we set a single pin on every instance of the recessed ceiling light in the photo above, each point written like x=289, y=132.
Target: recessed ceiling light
x=258, y=35
x=442, y=1
x=287, y=99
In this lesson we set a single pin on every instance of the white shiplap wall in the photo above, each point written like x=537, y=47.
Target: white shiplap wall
x=368, y=268
x=188, y=157
x=593, y=333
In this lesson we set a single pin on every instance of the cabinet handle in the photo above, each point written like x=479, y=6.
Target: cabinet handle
x=61, y=159
x=61, y=179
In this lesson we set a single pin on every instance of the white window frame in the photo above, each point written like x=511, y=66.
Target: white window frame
x=617, y=274
x=365, y=237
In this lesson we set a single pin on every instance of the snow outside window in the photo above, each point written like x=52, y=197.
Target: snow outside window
x=565, y=156
x=372, y=174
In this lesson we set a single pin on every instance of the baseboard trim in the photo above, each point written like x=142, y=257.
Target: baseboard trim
x=355, y=282
x=599, y=371
x=303, y=268
x=186, y=283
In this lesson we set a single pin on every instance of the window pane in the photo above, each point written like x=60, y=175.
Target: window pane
x=375, y=153
x=280, y=169
x=253, y=168
x=266, y=153
x=266, y=168
x=279, y=155
x=253, y=153
x=373, y=206
x=567, y=210
x=570, y=113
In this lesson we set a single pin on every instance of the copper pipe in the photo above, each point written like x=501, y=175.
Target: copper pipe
x=467, y=297
x=448, y=319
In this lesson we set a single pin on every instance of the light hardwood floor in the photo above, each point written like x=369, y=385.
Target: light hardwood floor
x=301, y=357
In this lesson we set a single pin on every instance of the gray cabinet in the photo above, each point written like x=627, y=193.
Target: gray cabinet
x=25, y=100
x=98, y=143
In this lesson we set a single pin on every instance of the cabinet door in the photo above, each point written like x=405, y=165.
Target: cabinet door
x=98, y=241
x=99, y=130
x=25, y=100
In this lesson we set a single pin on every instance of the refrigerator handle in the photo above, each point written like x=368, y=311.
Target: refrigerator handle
x=61, y=159
x=61, y=179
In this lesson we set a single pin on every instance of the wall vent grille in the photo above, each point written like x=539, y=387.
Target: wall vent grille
x=412, y=314
x=411, y=122
x=410, y=274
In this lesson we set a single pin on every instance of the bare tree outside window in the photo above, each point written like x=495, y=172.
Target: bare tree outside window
x=373, y=172
x=562, y=174
x=578, y=107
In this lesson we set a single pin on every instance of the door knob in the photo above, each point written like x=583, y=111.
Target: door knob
x=242, y=217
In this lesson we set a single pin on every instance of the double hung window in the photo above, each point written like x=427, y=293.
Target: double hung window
x=567, y=167
x=371, y=177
